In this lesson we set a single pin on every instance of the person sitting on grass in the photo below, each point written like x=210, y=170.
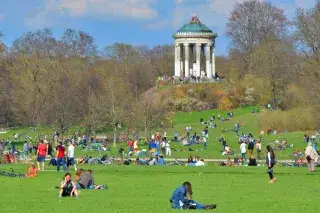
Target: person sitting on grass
x=32, y=171
x=68, y=187
x=93, y=185
x=83, y=179
x=229, y=162
x=182, y=199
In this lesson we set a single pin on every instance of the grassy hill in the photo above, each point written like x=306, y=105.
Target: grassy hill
x=248, y=121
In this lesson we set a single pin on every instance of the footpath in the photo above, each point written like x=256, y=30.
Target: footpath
x=30, y=160
x=216, y=160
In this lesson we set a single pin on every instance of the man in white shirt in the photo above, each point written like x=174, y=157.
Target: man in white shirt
x=70, y=159
x=163, y=147
x=243, y=150
x=165, y=136
x=168, y=149
x=204, y=140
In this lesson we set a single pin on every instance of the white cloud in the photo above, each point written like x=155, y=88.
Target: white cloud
x=214, y=13
x=130, y=9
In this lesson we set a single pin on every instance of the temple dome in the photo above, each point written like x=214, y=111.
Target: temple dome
x=194, y=29
x=195, y=26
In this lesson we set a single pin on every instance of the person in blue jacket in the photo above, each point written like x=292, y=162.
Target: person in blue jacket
x=182, y=199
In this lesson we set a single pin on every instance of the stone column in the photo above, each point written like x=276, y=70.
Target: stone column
x=213, y=71
x=186, y=60
x=208, y=64
x=198, y=52
x=177, y=59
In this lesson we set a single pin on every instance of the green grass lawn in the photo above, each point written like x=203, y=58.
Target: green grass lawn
x=148, y=189
x=181, y=120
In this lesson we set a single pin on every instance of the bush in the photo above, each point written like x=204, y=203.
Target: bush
x=225, y=103
x=297, y=119
x=186, y=104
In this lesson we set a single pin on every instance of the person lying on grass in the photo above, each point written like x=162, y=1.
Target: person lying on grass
x=182, y=199
x=68, y=187
x=32, y=171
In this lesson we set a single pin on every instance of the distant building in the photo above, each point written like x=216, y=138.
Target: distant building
x=191, y=41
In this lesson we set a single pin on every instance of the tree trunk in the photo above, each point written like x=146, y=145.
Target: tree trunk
x=114, y=136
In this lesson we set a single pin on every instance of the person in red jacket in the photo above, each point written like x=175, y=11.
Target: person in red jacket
x=61, y=155
x=130, y=144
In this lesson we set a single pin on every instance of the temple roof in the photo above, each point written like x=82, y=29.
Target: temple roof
x=194, y=26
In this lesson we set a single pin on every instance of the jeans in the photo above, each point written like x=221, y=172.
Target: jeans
x=190, y=204
x=63, y=162
x=243, y=156
x=270, y=171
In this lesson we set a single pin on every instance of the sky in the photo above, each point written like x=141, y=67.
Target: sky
x=137, y=22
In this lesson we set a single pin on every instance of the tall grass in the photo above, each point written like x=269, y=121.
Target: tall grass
x=297, y=119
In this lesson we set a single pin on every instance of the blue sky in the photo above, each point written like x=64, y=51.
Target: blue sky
x=148, y=22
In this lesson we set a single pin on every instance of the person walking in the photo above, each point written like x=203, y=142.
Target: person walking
x=258, y=147
x=311, y=157
x=70, y=158
x=243, y=151
x=250, y=148
x=41, y=154
x=168, y=149
x=270, y=162
x=204, y=140
x=61, y=156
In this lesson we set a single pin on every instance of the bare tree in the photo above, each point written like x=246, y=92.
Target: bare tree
x=150, y=112
x=40, y=43
x=253, y=22
x=307, y=34
x=2, y=46
x=76, y=44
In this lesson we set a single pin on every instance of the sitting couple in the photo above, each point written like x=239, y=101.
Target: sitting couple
x=85, y=180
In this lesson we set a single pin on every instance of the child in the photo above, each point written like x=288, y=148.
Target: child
x=32, y=171
x=67, y=187
x=181, y=199
x=270, y=161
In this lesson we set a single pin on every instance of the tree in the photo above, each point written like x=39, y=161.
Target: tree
x=150, y=112
x=68, y=97
x=2, y=46
x=76, y=44
x=253, y=22
x=307, y=34
x=108, y=104
x=31, y=87
x=40, y=43
x=274, y=62
x=162, y=59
